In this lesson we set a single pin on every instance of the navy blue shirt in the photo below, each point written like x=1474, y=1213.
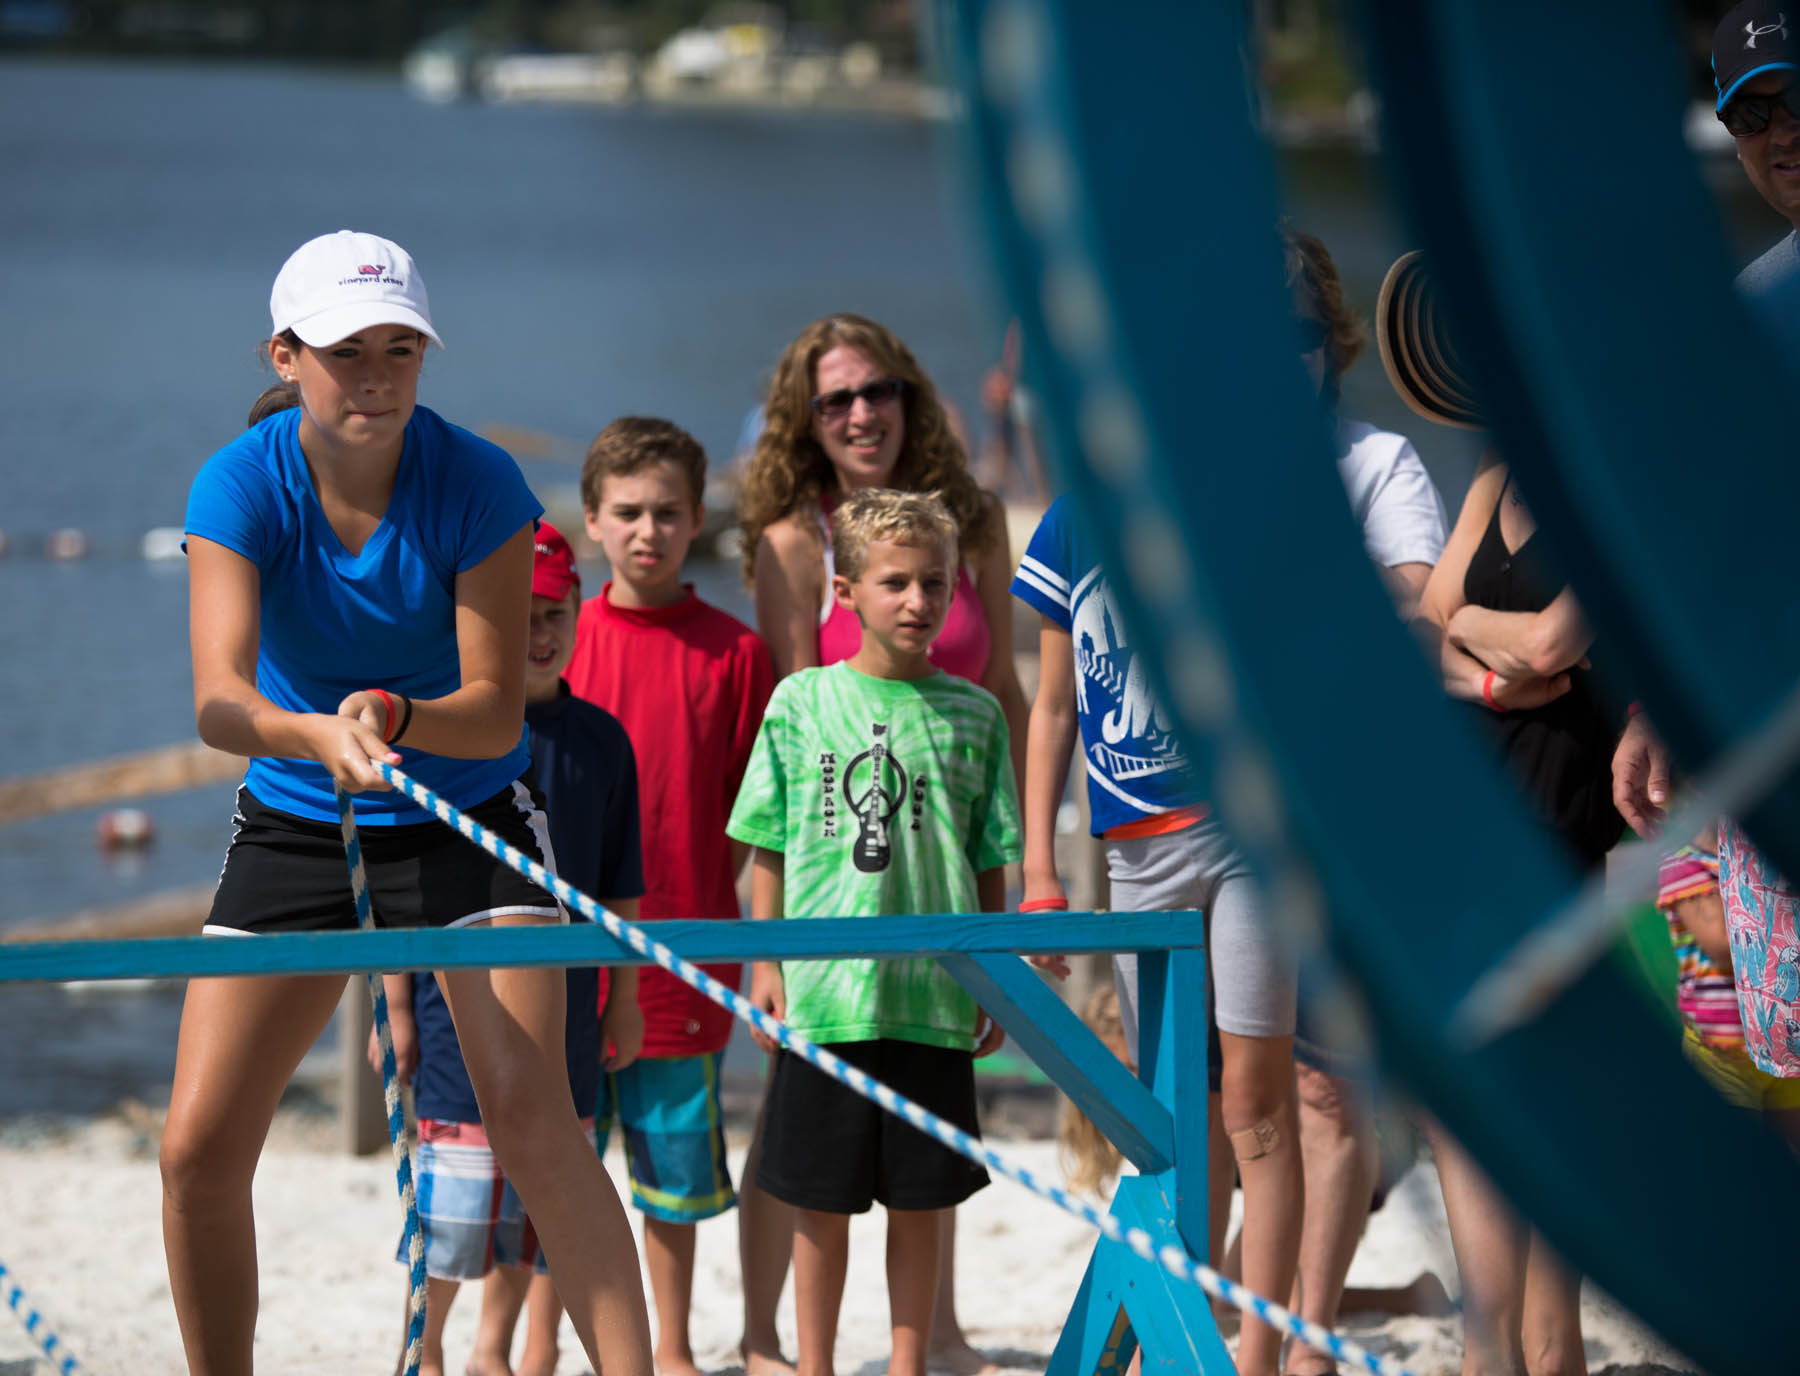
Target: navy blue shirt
x=588, y=774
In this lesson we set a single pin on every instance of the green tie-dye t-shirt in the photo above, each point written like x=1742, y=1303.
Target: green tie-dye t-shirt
x=884, y=796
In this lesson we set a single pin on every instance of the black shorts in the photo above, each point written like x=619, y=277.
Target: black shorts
x=825, y=1147
x=287, y=874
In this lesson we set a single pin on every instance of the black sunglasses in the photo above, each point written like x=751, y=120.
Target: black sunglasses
x=1314, y=333
x=1747, y=115
x=876, y=393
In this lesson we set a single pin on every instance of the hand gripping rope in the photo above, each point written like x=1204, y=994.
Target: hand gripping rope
x=58, y=1356
x=390, y=1091
x=1171, y=1258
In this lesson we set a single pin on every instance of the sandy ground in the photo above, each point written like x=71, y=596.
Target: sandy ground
x=80, y=1232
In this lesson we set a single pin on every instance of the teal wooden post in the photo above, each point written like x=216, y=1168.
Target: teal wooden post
x=1126, y=1303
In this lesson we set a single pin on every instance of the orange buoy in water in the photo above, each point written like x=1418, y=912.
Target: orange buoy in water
x=126, y=828
x=66, y=544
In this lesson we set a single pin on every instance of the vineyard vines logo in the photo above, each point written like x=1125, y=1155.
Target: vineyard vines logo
x=372, y=274
x=1125, y=730
x=1755, y=31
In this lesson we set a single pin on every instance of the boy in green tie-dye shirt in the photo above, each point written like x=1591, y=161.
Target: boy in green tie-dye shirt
x=878, y=785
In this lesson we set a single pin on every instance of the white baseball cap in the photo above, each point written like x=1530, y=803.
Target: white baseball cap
x=337, y=284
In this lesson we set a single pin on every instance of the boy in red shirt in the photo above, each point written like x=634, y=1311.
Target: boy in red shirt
x=689, y=683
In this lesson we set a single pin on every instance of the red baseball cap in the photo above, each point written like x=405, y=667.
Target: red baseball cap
x=553, y=569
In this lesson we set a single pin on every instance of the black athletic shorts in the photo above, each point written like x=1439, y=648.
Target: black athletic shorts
x=287, y=874
x=826, y=1147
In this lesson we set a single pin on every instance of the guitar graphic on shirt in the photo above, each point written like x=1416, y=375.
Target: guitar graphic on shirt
x=875, y=806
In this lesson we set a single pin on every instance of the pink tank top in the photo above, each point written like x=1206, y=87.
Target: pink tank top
x=961, y=648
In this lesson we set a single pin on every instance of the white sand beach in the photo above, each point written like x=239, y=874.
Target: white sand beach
x=80, y=1232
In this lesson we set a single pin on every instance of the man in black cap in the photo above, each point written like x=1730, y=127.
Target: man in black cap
x=1756, y=68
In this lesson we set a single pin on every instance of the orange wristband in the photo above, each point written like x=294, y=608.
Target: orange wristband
x=1044, y=905
x=1487, y=691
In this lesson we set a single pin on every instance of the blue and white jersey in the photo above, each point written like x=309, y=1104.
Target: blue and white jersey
x=1136, y=766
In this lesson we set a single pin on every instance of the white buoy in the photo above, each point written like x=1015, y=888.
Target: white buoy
x=126, y=828
x=163, y=542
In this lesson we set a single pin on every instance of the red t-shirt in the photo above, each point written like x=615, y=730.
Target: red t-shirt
x=689, y=682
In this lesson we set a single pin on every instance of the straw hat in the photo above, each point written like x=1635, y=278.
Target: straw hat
x=1417, y=350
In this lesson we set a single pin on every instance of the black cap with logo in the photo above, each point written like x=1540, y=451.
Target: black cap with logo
x=1757, y=36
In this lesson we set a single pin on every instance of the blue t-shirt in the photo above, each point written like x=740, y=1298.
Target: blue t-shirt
x=1136, y=766
x=333, y=622
x=584, y=765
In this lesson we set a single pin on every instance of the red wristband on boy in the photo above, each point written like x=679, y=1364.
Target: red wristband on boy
x=1487, y=691
x=1044, y=905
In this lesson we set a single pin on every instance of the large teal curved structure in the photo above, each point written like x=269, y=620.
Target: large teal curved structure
x=1130, y=202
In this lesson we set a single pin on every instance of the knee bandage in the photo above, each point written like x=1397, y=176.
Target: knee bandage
x=1259, y=1139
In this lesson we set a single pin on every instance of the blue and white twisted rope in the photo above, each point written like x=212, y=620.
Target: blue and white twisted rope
x=390, y=1092
x=1170, y=1257
x=40, y=1332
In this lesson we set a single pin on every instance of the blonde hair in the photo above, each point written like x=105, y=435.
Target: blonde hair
x=1308, y=261
x=915, y=519
x=788, y=470
x=1088, y=1156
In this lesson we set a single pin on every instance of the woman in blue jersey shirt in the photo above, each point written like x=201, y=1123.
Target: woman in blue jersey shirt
x=360, y=579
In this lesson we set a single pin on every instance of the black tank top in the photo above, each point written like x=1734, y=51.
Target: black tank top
x=1561, y=753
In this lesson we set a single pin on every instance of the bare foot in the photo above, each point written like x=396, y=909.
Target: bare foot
x=959, y=1359
x=765, y=1361
x=678, y=1364
x=486, y=1364
x=536, y=1364
x=1427, y=1296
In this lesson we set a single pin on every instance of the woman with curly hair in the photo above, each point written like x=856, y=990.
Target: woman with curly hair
x=848, y=408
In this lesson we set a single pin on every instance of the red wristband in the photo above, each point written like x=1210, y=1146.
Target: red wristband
x=1044, y=905
x=387, y=703
x=1487, y=691
x=1633, y=709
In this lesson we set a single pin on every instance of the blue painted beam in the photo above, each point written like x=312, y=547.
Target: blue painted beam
x=582, y=943
x=1016, y=997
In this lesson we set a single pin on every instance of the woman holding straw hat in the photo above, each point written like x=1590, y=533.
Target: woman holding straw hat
x=1514, y=645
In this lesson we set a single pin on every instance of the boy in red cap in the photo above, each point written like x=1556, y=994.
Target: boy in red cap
x=474, y=1223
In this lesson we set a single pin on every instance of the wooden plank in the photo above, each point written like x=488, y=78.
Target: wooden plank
x=178, y=912
x=167, y=769
x=582, y=943
x=1015, y=996
x=362, y=1108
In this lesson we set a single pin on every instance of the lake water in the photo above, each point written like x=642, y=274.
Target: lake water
x=584, y=263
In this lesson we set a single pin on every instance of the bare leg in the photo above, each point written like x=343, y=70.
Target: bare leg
x=1340, y=1160
x=502, y=1300
x=949, y=1348
x=821, y=1259
x=543, y=1321
x=913, y=1238
x=1551, y=1332
x=669, y=1255
x=1221, y=1181
x=241, y=1039
x=765, y=1246
x=439, y=1296
x=1490, y=1246
x=1258, y=1105
x=510, y=1024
